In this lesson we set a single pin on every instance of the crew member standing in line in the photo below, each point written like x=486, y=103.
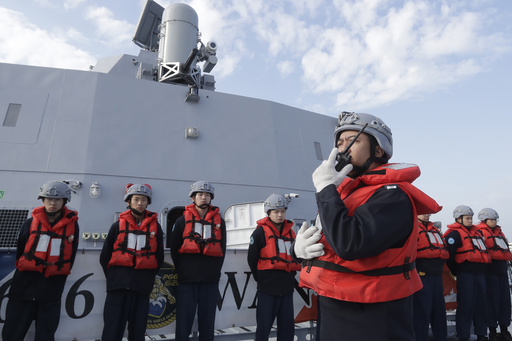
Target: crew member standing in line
x=366, y=279
x=468, y=260
x=131, y=257
x=498, y=290
x=429, y=304
x=198, y=248
x=274, y=269
x=46, y=250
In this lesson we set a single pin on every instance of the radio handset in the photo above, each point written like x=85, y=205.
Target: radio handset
x=344, y=157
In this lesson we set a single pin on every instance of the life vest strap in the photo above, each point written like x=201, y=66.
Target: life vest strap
x=285, y=238
x=393, y=270
x=431, y=247
x=40, y=261
x=279, y=259
x=30, y=256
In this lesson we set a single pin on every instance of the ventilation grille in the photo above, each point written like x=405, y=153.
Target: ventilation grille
x=10, y=224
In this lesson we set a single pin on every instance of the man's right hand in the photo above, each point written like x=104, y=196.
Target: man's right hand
x=326, y=174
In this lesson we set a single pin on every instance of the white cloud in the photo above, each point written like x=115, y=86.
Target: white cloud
x=76, y=36
x=25, y=43
x=71, y=4
x=394, y=53
x=365, y=53
x=110, y=30
x=286, y=67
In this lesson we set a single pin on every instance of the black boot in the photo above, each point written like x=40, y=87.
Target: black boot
x=493, y=336
x=505, y=336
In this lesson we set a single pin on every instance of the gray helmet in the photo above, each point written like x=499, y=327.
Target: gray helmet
x=140, y=189
x=376, y=128
x=55, y=189
x=487, y=213
x=275, y=202
x=462, y=210
x=201, y=186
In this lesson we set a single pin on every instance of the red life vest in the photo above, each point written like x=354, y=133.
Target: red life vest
x=276, y=253
x=49, y=249
x=431, y=243
x=473, y=247
x=388, y=276
x=495, y=241
x=136, y=245
x=202, y=235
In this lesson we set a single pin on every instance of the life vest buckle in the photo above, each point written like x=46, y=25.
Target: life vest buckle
x=406, y=268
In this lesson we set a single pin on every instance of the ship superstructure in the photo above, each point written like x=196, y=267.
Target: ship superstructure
x=153, y=118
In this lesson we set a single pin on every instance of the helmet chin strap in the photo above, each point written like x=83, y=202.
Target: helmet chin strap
x=425, y=223
x=203, y=206
x=52, y=214
x=278, y=225
x=360, y=170
x=137, y=213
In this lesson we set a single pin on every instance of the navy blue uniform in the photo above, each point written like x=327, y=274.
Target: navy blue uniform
x=366, y=234
x=471, y=291
x=429, y=304
x=275, y=294
x=128, y=291
x=33, y=297
x=198, y=285
x=498, y=295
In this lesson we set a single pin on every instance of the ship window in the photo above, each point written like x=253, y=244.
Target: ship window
x=10, y=224
x=318, y=151
x=11, y=118
x=116, y=216
x=172, y=216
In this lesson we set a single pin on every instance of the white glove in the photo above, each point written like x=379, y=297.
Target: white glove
x=326, y=174
x=306, y=244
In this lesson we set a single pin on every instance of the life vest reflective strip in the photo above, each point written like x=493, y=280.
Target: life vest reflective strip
x=276, y=253
x=387, y=276
x=473, y=247
x=128, y=250
x=40, y=250
x=207, y=242
x=496, y=242
x=431, y=243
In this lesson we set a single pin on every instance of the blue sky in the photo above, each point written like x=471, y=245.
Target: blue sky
x=437, y=72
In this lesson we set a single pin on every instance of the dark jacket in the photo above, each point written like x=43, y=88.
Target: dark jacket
x=384, y=221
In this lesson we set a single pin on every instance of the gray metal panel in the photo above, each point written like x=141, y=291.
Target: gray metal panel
x=146, y=33
x=99, y=122
x=32, y=108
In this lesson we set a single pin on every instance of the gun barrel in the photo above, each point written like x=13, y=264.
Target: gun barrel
x=190, y=60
